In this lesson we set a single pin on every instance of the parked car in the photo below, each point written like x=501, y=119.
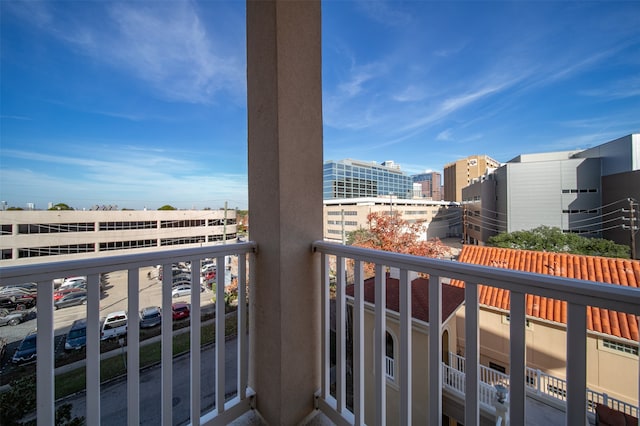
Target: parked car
x=11, y=317
x=26, y=351
x=181, y=290
x=71, y=299
x=75, y=282
x=77, y=335
x=114, y=325
x=181, y=283
x=208, y=268
x=150, y=316
x=180, y=310
x=17, y=302
x=57, y=295
x=28, y=287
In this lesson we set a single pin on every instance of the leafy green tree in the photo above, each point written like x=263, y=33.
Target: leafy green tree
x=552, y=239
x=60, y=206
x=167, y=207
x=15, y=208
x=20, y=400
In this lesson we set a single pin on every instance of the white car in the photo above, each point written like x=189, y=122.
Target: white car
x=73, y=282
x=181, y=290
x=114, y=325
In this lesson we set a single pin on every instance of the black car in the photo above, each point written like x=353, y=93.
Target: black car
x=17, y=302
x=71, y=299
x=26, y=351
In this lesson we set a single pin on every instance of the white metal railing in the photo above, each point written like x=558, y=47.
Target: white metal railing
x=390, y=367
x=225, y=410
x=543, y=383
x=577, y=293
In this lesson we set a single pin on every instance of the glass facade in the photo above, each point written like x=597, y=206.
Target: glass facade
x=354, y=179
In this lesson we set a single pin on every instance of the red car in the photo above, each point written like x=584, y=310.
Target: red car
x=180, y=310
x=59, y=294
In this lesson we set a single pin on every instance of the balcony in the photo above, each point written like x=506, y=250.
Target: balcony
x=463, y=377
x=284, y=350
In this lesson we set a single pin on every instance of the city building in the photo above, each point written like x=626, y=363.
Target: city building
x=612, y=337
x=47, y=235
x=441, y=219
x=591, y=192
x=461, y=173
x=357, y=179
x=431, y=185
x=283, y=358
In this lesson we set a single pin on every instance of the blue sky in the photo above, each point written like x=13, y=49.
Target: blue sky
x=140, y=104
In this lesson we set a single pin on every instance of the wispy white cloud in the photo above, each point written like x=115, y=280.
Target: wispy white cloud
x=627, y=88
x=167, y=46
x=131, y=177
x=444, y=135
x=14, y=117
x=384, y=12
x=411, y=93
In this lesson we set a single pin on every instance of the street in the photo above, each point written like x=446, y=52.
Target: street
x=114, y=394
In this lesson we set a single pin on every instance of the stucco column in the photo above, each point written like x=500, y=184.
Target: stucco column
x=284, y=92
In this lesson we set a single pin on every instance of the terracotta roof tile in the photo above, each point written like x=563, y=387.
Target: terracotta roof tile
x=452, y=297
x=591, y=268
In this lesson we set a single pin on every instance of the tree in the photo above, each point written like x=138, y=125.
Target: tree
x=552, y=239
x=392, y=233
x=15, y=208
x=167, y=207
x=20, y=400
x=60, y=206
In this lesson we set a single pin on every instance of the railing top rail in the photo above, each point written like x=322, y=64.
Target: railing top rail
x=588, y=293
x=49, y=270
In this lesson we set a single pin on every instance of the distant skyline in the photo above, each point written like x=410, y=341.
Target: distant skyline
x=141, y=104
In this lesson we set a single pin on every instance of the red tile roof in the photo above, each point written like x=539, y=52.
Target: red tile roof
x=452, y=297
x=591, y=268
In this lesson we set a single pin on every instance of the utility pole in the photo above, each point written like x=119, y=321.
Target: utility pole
x=224, y=225
x=464, y=224
x=632, y=227
x=344, y=241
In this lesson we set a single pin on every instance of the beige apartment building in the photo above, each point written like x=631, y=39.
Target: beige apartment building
x=441, y=219
x=461, y=173
x=52, y=235
x=612, y=337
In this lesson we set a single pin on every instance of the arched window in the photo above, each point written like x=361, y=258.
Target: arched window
x=390, y=357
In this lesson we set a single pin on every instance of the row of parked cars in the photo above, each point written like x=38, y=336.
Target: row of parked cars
x=112, y=326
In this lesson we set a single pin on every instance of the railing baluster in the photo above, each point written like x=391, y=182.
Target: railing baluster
x=358, y=344
x=195, y=343
x=576, y=363
x=166, y=358
x=517, y=362
x=380, y=345
x=93, y=350
x=220, y=342
x=243, y=348
x=341, y=388
x=471, y=409
x=45, y=355
x=405, y=348
x=133, y=346
x=326, y=328
x=435, y=350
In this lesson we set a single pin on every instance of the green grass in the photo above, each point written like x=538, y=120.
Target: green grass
x=75, y=381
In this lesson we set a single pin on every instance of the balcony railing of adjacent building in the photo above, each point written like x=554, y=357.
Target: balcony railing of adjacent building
x=225, y=409
x=538, y=383
x=333, y=403
x=578, y=295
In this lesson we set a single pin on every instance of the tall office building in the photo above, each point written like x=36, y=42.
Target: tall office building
x=592, y=192
x=431, y=185
x=356, y=179
x=461, y=173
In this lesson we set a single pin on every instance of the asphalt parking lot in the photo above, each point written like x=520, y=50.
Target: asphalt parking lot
x=113, y=298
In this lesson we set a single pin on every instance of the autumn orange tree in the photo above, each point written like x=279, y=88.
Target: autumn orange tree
x=392, y=233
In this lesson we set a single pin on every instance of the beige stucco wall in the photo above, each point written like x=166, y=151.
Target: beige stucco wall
x=419, y=368
x=608, y=371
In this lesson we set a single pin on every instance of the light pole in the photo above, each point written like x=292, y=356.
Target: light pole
x=391, y=204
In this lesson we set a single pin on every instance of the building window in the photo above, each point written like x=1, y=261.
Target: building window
x=390, y=368
x=620, y=347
